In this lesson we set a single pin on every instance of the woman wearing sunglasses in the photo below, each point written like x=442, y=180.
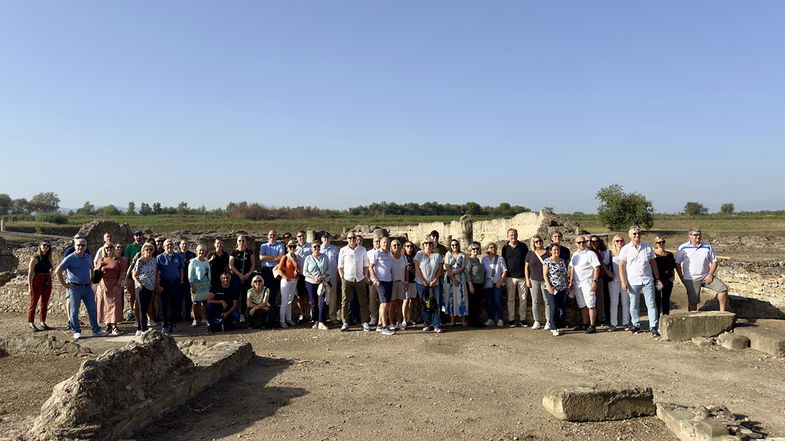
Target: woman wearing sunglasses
x=666, y=264
x=475, y=274
x=39, y=280
x=614, y=288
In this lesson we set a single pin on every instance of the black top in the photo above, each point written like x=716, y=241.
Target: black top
x=535, y=265
x=218, y=266
x=42, y=265
x=666, y=265
x=226, y=294
x=410, y=267
x=515, y=258
x=564, y=254
x=242, y=260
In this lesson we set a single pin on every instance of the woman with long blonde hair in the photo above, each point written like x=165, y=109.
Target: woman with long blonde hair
x=614, y=287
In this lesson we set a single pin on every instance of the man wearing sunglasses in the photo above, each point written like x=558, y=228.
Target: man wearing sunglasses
x=584, y=275
x=696, y=265
x=639, y=273
x=75, y=273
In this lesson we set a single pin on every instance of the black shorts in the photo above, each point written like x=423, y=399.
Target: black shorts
x=301, y=291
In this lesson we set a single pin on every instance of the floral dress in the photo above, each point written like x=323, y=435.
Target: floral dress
x=455, y=301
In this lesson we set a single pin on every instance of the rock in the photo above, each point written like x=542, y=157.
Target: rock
x=704, y=423
x=703, y=342
x=41, y=343
x=766, y=336
x=747, y=308
x=684, y=326
x=599, y=403
x=94, y=232
x=730, y=340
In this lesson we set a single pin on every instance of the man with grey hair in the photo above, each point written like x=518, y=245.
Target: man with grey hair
x=514, y=254
x=79, y=269
x=168, y=278
x=584, y=276
x=697, y=265
x=638, y=272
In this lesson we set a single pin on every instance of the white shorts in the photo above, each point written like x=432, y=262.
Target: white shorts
x=585, y=297
x=399, y=290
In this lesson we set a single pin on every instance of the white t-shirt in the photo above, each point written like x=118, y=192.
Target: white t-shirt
x=399, y=268
x=583, y=264
x=381, y=263
x=429, y=266
x=493, y=270
x=638, y=267
x=695, y=260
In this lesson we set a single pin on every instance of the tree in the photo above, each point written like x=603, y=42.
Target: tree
x=20, y=206
x=5, y=203
x=131, y=210
x=87, y=209
x=472, y=208
x=727, y=208
x=182, y=208
x=695, y=209
x=618, y=210
x=145, y=210
x=45, y=203
x=156, y=208
x=109, y=210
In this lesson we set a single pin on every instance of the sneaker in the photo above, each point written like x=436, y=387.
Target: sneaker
x=386, y=331
x=100, y=333
x=130, y=317
x=590, y=329
x=115, y=332
x=634, y=330
x=536, y=325
x=548, y=326
x=522, y=324
x=205, y=322
x=489, y=322
x=426, y=328
x=344, y=327
x=654, y=332
x=322, y=327
x=194, y=324
x=500, y=323
x=373, y=321
x=138, y=333
x=366, y=328
x=242, y=318
x=555, y=332
x=439, y=330
x=379, y=327
x=77, y=335
x=582, y=327
x=401, y=327
x=301, y=318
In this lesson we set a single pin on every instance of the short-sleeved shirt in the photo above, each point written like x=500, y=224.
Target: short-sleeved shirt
x=583, y=264
x=145, y=271
x=226, y=294
x=494, y=268
x=638, y=266
x=352, y=262
x=475, y=270
x=218, y=264
x=315, y=267
x=515, y=257
x=77, y=268
x=382, y=262
x=303, y=251
x=242, y=260
x=429, y=266
x=695, y=260
x=199, y=271
x=271, y=249
x=535, y=265
x=170, y=265
x=258, y=297
x=557, y=273
x=331, y=252
x=131, y=249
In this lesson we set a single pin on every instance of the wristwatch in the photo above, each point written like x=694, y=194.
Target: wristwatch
x=596, y=280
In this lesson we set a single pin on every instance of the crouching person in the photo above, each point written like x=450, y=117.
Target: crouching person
x=258, y=303
x=222, y=311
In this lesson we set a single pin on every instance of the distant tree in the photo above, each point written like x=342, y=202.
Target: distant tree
x=618, y=210
x=156, y=208
x=45, y=203
x=5, y=203
x=87, y=209
x=695, y=209
x=727, y=208
x=182, y=208
x=145, y=210
x=131, y=208
x=109, y=210
x=472, y=208
x=20, y=206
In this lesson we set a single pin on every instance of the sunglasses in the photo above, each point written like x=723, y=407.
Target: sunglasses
x=475, y=249
x=580, y=241
x=636, y=234
x=257, y=281
x=660, y=242
x=45, y=245
x=619, y=241
x=696, y=235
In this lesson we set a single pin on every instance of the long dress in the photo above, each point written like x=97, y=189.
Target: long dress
x=109, y=293
x=456, y=298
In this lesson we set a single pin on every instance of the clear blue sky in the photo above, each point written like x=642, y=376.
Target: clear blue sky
x=342, y=103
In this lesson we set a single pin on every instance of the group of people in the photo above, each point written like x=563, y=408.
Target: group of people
x=373, y=288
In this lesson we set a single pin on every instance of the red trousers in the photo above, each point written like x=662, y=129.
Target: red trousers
x=42, y=289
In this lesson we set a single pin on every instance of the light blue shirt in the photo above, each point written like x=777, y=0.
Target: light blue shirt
x=274, y=249
x=315, y=267
x=332, y=258
x=77, y=268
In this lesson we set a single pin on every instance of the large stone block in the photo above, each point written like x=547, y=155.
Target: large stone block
x=730, y=340
x=684, y=326
x=599, y=403
x=766, y=336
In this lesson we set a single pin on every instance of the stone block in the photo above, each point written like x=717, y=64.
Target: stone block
x=599, y=403
x=704, y=423
x=730, y=340
x=684, y=326
x=766, y=336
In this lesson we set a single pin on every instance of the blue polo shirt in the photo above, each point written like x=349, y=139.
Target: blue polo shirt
x=169, y=265
x=77, y=268
x=274, y=249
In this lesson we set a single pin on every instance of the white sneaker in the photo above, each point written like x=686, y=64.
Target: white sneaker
x=77, y=335
x=489, y=322
x=322, y=327
x=344, y=327
x=548, y=326
x=115, y=332
x=194, y=324
x=386, y=331
x=536, y=325
x=139, y=333
x=556, y=332
x=500, y=323
x=205, y=322
x=366, y=327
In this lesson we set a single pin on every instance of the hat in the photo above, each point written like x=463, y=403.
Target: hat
x=138, y=232
x=326, y=234
x=292, y=243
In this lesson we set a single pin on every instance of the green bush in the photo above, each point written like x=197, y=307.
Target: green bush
x=52, y=218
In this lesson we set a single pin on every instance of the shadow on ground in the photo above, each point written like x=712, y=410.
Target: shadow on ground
x=228, y=407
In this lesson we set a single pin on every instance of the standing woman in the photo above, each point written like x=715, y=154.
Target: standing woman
x=144, y=278
x=495, y=277
x=536, y=283
x=456, y=298
x=315, y=269
x=614, y=287
x=39, y=280
x=219, y=262
x=399, y=285
x=109, y=292
x=242, y=264
x=411, y=288
x=554, y=273
x=475, y=276
x=428, y=268
x=199, y=276
x=666, y=264
x=288, y=269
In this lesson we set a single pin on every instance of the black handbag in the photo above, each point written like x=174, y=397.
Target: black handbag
x=97, y=276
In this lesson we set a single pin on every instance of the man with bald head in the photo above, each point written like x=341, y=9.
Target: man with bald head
x=168, y=278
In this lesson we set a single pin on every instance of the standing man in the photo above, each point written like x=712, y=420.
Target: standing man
x=302, y=251
x=99, y=255
x=584, y=276
x=184, y=311
x=381, y=262
x=373, y=296
x=564, y=252
x=697, y=265
x=353, y=269
x=331, y=251
x=79, y=268
x=636, y=265
x=130, y=252
x=270, y=254
x=168, y=278
x=514, y=254
x=72, y=248
x=437, y=247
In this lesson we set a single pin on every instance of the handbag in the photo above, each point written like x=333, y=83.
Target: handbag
x=97, y=276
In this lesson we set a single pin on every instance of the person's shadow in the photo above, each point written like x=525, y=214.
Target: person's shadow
x=227, y=407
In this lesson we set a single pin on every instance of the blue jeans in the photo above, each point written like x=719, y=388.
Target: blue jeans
x=432, y=316
x=76, y=296
x=651, y=304
x=493, y=303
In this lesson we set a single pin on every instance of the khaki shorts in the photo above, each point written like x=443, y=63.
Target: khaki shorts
x=399, y=290
x=694, y=288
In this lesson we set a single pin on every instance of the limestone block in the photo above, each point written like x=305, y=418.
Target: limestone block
x=730, y=340
x=704, y=424
x=684, y=326
x=703, y=342
x=766, y=336
x=599, y=403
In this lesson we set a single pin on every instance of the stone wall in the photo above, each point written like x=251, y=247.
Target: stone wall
x=760, y=280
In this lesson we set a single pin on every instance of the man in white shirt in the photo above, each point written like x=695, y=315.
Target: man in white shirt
x=584, y=275
x=353, y=269
x=373, y=296
x=331, y=251
x=302, y=251
x=696, y=265
x=381, y=263
x=638, y=272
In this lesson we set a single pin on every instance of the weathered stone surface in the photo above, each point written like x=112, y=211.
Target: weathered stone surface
x=41, y=343
x=766, y=336
x=599, y=403
x=747, y=308
x=94, y=233
x=703, y=342
x=730, y=340
x=684, y=326
x=705, y=424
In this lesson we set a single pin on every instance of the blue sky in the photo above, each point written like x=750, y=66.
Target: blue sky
x=342, y=103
